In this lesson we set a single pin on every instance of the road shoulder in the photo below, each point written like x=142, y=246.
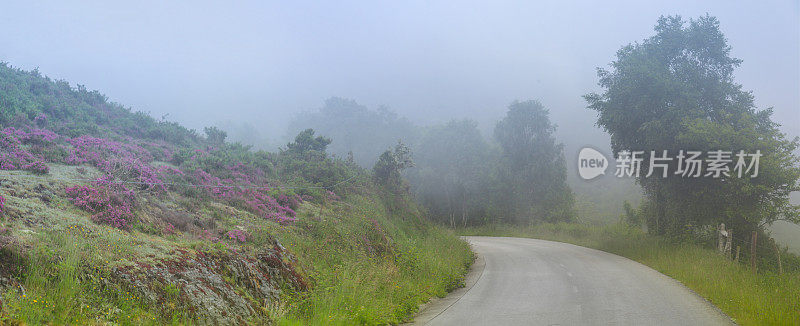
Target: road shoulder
x=436, y=305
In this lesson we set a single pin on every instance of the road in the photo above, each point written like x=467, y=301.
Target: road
x=535, y=282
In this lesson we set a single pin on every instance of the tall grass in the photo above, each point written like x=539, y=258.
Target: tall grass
x=369, y=265
x=366, y=263
x=60, y=285
x=763, y=298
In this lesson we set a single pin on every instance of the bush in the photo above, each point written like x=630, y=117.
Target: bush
x=111, y=203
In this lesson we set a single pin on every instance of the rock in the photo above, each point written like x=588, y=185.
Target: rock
x=229, y=287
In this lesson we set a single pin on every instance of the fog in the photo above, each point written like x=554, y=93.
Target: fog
x=225, y=64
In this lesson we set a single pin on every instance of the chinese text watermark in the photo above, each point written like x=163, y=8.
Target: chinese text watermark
x=686, y=164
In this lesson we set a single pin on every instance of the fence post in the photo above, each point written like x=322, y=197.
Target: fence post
x=753, y=241
x=778, y=253
x=729, y=244
x=720, y=239
x=737, y=253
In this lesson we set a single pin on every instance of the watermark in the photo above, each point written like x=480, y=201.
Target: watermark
x=686, y=164
x=591, y=163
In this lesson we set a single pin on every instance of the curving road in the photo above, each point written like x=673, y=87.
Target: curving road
x=519, y=281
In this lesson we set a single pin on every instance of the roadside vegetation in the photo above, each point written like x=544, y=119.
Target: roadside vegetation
x=406, y=262
x=109, y=216
x=762, y=298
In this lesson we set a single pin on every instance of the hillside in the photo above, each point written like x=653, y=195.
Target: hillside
x=111, y=216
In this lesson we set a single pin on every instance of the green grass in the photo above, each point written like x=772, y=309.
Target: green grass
x=370, y=266
x=364, y=264
x=765, y=298
x=61, y=285
x=367, y=260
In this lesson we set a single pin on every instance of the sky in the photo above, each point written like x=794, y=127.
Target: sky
x=201, y=63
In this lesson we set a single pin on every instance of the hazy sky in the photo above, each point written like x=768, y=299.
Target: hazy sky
x=261, y=62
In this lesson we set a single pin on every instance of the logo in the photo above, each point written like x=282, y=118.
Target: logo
x=717, y=164
x=591, y=163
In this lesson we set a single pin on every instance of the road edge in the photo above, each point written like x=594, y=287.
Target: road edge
x=436, y=306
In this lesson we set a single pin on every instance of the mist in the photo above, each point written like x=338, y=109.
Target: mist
x=264, y=71
x=204, y=64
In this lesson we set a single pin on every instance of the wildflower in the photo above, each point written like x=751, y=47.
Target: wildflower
x=237, y=235
x=111, y=203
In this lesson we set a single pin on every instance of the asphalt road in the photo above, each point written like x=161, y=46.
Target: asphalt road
x=535, y=282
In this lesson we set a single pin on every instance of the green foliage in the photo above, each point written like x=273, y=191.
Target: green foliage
x=63, y=283
x=354, y=128
x=75, y=111
x=532, y=171
x=305, y=143
x=458, y=176
x=452, y=174
x=391, y=164
x=675, y=91
x=371, y=265
x=215, y=136
x=631, y=217
x=305, y=163
x=371, y=255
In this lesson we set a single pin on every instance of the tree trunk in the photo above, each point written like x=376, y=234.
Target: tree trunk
x=464, y=210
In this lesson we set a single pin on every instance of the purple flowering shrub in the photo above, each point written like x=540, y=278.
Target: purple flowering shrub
x=169, y=229
x=87, y=149
x=241, y=190
x=331, y=196
x=40, y=119
x=126, y=161
x=218, y=173
x=111, y=203
x=14, y=155
x=37, y=167
x=237, y=235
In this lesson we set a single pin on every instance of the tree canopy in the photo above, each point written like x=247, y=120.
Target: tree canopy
x=532, y=169
x=675, y=91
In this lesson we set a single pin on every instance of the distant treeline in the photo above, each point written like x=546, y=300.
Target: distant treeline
x=461, y=176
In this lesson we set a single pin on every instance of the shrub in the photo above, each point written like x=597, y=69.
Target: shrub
x=111, y=203
x=37, y=167
x=237, y=235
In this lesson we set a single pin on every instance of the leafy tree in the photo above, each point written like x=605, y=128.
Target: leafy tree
x=391, y=164
x=452, y=172
x=675, y=91
x=305, y=160
x=305, y=142
x=532, y=170
x=215, y=136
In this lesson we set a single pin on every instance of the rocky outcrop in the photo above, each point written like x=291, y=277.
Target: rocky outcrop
x=218, y=287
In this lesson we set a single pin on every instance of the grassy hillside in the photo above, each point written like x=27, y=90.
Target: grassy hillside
x=763, y=298
x=111, y=216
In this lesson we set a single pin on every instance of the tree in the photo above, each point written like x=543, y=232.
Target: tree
x=306, y=160
x=305, y=142
x=452, y=171
x=215, y=136
x=532, y=169
x=391, y=164
x=675, y=91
